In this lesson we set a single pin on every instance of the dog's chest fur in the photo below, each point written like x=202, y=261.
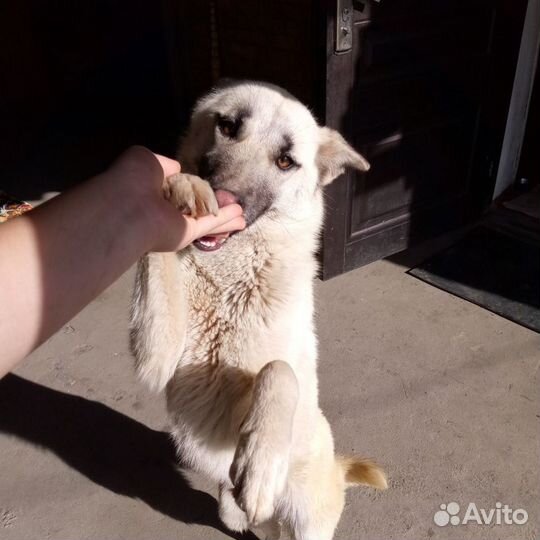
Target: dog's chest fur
x=246, y=303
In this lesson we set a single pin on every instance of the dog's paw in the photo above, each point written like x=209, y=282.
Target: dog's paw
x=259, y=474
x=190, y=194
x=230, y=513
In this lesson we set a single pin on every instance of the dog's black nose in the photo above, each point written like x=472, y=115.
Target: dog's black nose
x=206, y=169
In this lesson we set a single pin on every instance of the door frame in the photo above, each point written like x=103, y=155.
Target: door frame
x=338, y=68
x=521, y=97
x=338, y=77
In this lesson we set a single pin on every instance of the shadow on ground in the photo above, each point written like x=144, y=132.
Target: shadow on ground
x=107, y=447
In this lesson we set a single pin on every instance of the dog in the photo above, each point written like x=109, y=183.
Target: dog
x=225, y=326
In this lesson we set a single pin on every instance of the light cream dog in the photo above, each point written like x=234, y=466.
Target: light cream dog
x=226, y=326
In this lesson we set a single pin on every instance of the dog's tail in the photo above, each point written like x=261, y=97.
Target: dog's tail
x=362, y=471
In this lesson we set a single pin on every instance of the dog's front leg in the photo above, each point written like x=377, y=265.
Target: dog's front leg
x=159, y=308
x=158, y=318
x=261, y=462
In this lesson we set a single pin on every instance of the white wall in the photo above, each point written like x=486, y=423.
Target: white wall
x=521, y=95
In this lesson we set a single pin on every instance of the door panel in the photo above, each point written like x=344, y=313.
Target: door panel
x=413, y=95
x=398, y=186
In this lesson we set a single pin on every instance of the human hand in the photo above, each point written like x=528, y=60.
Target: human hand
x=145, y=172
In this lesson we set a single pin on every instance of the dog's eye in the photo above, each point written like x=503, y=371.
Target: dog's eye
x=227, y=127
x=284, y=162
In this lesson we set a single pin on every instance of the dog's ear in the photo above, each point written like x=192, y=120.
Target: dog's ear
x=334, y=154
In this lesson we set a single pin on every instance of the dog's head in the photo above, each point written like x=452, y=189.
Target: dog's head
x=257, y=142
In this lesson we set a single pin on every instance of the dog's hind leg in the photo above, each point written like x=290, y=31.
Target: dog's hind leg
x=158, y=318
x=229, y=511
x=261, y=461
x=236, y=519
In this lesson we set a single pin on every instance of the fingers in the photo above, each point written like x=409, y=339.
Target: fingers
x=237, y=224
x=228, y=219
x=226, y=214
x=175, y=231
x=169, y=166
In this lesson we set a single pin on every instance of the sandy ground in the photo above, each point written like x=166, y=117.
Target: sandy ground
x=442, y=393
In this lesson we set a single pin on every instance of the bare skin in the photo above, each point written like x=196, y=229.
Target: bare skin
x=60, y=256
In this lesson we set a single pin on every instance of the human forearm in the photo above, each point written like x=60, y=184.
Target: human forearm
x=61, y=256
x=57, y=258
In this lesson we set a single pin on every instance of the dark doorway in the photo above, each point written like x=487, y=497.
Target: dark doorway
x=423, y=94
x=80, y=83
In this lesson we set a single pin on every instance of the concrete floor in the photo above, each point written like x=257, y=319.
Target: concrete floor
x=442, y=393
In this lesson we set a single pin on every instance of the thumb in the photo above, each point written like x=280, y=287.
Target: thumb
x=169, y=166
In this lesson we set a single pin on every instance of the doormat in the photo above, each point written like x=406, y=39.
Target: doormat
x=492, y=270
x=528, y=203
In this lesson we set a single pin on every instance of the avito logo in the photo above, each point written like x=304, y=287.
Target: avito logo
x=500, y=515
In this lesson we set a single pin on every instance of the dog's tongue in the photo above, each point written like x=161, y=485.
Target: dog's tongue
x=224, y=198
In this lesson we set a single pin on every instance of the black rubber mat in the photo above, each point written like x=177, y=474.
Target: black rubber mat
x=493, y=270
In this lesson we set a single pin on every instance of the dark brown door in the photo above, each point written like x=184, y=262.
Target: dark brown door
x=423, y=94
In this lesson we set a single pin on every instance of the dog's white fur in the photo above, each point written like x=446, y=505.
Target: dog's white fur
x=230, y=333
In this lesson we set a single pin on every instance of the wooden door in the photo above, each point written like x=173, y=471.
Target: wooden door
x=423, y=94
